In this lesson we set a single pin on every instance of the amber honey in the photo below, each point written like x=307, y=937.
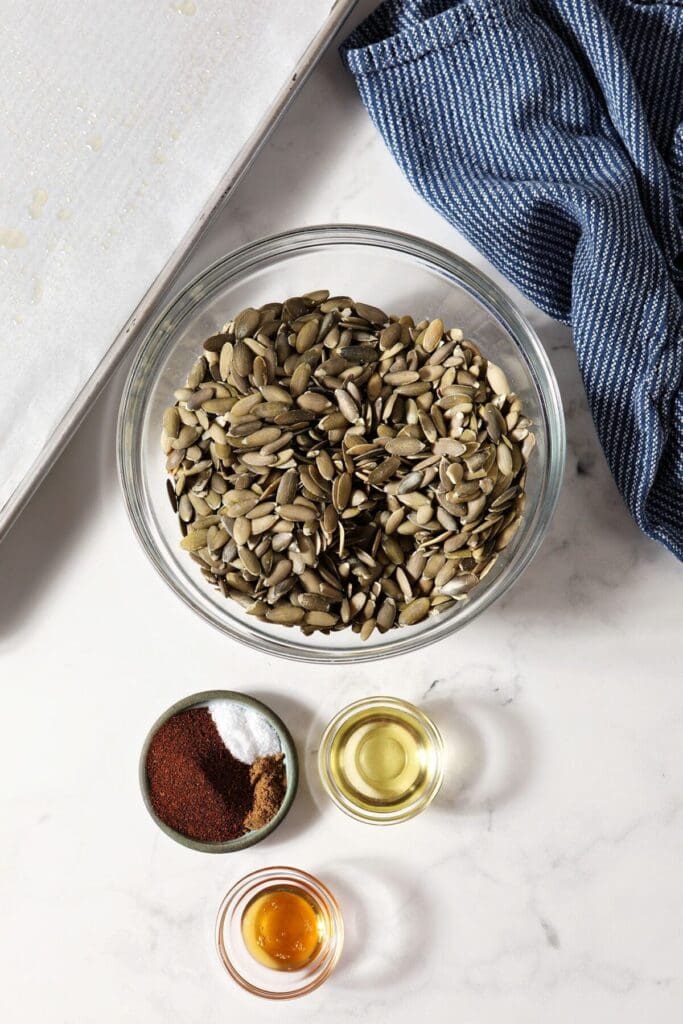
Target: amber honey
x=283, y=929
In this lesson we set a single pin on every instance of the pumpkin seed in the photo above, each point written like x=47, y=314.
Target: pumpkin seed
x=404, y=446
x=415, y=611
x=333, y=467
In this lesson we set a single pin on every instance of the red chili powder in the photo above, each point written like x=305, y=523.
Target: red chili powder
x=196, y=786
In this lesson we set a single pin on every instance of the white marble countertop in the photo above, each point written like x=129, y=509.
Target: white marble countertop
x=545, y=883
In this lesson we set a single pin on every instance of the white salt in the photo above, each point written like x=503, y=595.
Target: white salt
x=244, y=731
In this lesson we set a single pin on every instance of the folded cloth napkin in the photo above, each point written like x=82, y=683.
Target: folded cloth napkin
x=550, y=133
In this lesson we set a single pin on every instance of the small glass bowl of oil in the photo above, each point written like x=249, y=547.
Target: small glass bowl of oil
x=381, y=760
x=279, y=932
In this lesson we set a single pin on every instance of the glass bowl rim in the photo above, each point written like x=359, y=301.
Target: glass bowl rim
x=282, y=874
x=246, y=259
x=333, y=791
x=291, y=761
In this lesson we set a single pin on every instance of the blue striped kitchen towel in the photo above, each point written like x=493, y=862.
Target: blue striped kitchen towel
x=550, y=133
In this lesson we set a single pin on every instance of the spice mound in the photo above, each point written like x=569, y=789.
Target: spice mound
x=216, y=772
x=332, y=466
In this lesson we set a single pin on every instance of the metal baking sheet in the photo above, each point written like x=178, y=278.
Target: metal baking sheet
x=166, y=279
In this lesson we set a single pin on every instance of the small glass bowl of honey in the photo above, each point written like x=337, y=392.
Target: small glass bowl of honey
x=381, y=760
x=279, y=932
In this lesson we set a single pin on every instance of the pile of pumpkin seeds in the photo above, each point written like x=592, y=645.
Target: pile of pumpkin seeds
x=332, y=466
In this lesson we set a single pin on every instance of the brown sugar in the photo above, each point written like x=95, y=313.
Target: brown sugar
x=269, y=781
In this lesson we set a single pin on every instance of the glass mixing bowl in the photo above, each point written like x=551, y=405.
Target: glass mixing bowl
x=339, y=782
x=239, y=962
x=400, y=273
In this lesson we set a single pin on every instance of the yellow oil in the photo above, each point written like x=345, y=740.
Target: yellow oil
x=283, y=929
x=382, y=759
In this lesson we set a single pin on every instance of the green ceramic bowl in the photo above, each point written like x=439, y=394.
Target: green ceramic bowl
x=198, y=700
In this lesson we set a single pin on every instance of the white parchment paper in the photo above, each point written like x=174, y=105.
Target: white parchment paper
x=117, y=121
